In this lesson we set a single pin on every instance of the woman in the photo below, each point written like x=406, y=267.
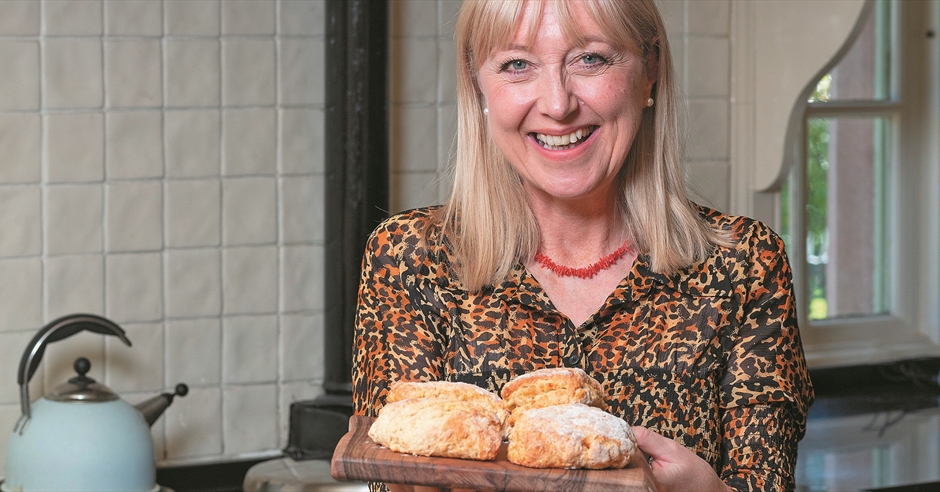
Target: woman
x=569, y=241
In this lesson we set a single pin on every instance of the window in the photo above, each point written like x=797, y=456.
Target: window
x=853, y=210
x=847, y=141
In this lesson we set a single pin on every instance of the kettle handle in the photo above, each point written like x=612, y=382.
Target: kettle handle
x=58, y=329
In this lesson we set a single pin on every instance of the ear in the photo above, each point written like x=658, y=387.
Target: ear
x=652, y=66
x=479, y=91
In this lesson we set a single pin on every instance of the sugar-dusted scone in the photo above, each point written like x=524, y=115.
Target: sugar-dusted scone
x=570, y=436
x=447, y=390
x=438, y=427
x=554, y=386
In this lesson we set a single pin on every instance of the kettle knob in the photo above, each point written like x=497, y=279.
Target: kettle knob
x=82, y=366
x=181, y=390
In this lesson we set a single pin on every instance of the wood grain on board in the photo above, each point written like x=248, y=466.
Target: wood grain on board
x=357, y=457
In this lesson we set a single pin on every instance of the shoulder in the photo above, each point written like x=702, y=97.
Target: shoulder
x=406, y=234
x=755, y=254
x=415, y=222
x=751, y=249
x=745, y=234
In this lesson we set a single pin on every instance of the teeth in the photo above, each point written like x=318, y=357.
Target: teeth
x=554, y=142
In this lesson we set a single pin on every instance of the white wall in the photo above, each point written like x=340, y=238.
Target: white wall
x=699, y=31
x=423, y=100
x=161, y=164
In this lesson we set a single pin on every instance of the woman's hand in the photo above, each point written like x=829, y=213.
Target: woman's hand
x=675, y=468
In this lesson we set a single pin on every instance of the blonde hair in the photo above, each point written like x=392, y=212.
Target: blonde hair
x=487, y=219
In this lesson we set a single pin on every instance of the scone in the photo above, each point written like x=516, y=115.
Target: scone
x=554, y=386
x=570, y=436
x=447, y=390
x=438, y=427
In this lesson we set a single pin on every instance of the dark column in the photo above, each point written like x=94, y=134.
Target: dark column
x=357, y=166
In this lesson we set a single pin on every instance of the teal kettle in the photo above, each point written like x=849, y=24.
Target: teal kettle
x=81, y=436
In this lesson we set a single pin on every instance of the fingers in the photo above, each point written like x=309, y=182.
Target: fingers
x=675, y=467
x=654, y=445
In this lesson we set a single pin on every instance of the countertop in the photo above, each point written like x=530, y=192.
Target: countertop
x=873, y=428
x=297, y=476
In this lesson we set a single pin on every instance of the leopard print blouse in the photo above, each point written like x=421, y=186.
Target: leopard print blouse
x=709, y=356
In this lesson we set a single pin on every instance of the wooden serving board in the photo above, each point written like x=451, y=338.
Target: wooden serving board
x=357, y=457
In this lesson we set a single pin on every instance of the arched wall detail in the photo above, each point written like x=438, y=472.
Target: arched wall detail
x=780, y=49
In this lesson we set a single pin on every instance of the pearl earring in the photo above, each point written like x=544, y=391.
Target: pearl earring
x=649, y=102
x=486, y=110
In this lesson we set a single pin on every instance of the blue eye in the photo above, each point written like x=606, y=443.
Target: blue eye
x=515, y=65
x=592, y=59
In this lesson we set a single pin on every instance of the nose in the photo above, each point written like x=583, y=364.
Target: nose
x=556, y=97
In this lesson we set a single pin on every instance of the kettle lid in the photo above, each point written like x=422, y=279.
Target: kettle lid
x=81, y=388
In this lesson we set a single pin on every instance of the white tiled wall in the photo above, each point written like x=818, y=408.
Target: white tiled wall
x=423, y=100
x=161, y=164
x=703, y=49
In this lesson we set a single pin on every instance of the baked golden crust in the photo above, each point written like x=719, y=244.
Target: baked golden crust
x=438, y=427
x=448, y=390
x=553, y=386
x=572, y=435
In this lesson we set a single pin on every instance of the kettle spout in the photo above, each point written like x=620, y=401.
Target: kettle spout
x=153, y=408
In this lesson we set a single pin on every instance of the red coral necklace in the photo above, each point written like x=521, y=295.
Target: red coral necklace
x=584, y=272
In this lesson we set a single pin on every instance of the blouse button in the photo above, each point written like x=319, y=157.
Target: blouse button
x=574, y=360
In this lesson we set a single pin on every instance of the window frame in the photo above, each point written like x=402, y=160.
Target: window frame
x=911, y=328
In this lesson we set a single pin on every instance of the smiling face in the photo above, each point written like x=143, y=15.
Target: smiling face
x=564, y=113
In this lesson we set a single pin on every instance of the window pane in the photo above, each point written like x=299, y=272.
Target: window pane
x=864, y=72
x=845, y=216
